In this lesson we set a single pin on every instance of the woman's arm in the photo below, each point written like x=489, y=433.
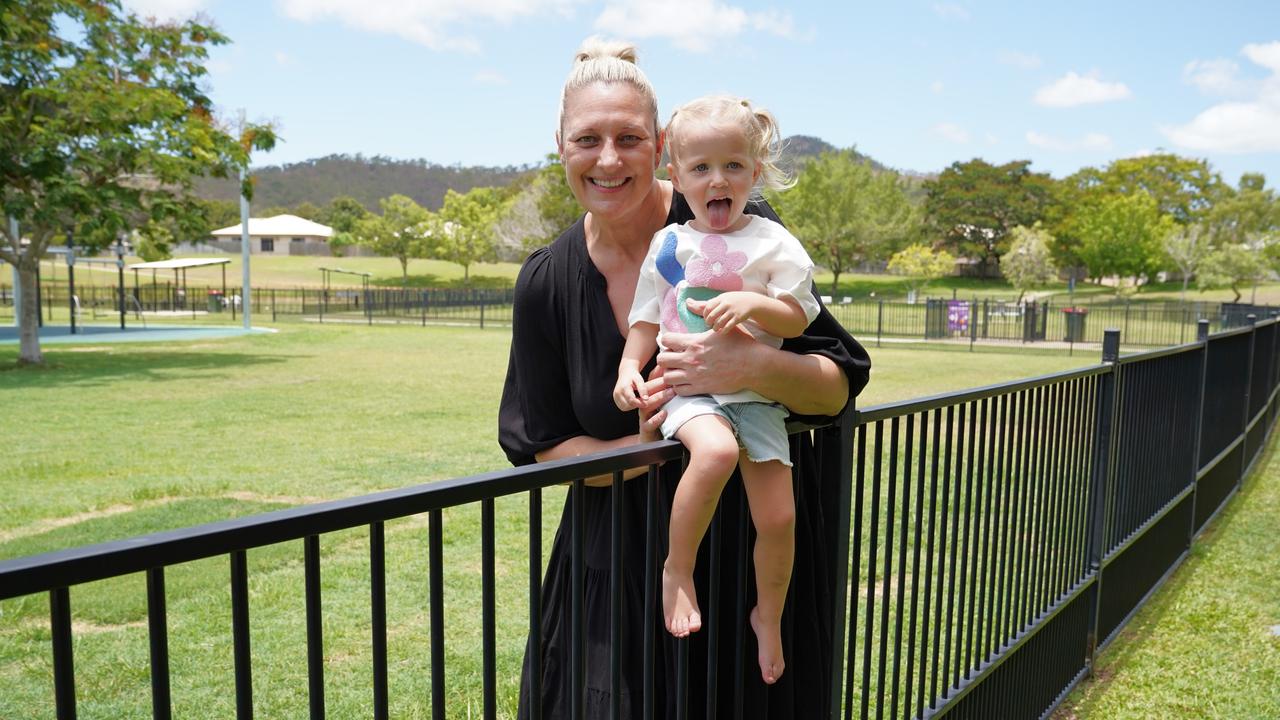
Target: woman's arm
x=651, y=417
x=722, y=363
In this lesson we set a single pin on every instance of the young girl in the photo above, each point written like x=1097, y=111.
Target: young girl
x=720, y=271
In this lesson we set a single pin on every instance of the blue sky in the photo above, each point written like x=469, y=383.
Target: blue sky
x=916, y=85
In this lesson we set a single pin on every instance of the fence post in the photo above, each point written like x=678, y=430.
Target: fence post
x=973, y=323
x=1252, y=321
x=273, y=305
x=481, y=314
x=1202, y=337
x=836, y=468
x=879, y=322
x=1100, y=481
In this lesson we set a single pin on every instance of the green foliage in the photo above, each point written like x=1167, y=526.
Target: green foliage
x=918, y=264
x=154, y=242
x=1247, y=214
x=1122, y=235
x=1183, y=188
x=103, y=119
x=464, y=233
x=973, y=206
x=219, y=214
x=1231, y=266
x=1186, y=247
x=556, y=204
x=844, y=213
x=342, y=213
x=1029, y=262
x=397, y=233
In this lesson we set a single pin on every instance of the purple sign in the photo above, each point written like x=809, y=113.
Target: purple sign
x=958, y=316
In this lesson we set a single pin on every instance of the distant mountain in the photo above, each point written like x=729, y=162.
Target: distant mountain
x=367, y=179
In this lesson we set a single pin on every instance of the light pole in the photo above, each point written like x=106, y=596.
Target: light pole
x=120, y=250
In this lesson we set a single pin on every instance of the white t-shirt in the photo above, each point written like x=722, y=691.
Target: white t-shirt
x=762, y=257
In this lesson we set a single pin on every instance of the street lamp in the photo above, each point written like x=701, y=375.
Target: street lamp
x=122, y=248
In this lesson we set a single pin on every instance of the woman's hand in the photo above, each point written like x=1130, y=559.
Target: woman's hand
x=708, y=362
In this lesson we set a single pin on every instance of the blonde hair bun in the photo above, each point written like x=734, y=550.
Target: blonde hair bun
x=597, y=48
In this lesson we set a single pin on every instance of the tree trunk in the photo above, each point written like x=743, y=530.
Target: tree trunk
x=29, y=314
x=404, y=270
x=835, y=281
x=1185, y=278
x=466, y=274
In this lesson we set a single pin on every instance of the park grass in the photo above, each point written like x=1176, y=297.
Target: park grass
x=1207, y=645
x=117, y=441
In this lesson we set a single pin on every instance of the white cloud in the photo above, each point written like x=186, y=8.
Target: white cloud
x=165, y=9
x=1026, y=61
x=950, y=11
x=1245, y=125
x=992, y=139
x=490, y=77
x=951, y=133
x=284, y=59
x=432, y=23
x=701, y=24
x=1216, y=77
x=1090, y=141
x=936, y=87
x=1071, y=90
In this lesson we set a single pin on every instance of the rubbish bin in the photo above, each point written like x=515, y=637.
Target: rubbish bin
x=215, y=301
x=1075, y=323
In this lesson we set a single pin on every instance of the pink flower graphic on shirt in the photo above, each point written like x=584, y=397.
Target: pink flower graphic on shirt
x=717, y=268
x=670, y=315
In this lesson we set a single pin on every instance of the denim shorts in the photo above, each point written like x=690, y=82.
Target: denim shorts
x=760, y=428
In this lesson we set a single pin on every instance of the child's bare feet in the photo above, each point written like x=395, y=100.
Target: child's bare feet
x=769, y=642
x=680, y=603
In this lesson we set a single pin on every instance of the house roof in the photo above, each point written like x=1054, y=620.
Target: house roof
x=280, y=225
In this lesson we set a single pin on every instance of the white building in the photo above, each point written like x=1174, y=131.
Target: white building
x=279, y=235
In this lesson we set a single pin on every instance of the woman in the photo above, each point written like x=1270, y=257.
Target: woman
x=570, y=324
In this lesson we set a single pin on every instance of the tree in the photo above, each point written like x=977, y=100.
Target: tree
x=1231, y=265
x=305, y=210
x=102, y=118
x=1029, y=262
x=1187, y=247
x=1183, y=188
x=464, y=233
x=556, y=203
x=342, y=214
x=1253, y=210
x=1122, y=236
x=974, y=205
x=919, y=264
x=397, y=233
x=844, y=213
x=153, y=242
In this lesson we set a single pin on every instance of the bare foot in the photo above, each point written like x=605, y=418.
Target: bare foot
x=769, y=642
x=680, y=603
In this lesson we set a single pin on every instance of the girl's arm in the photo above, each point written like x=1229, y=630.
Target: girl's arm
x=629, y=391
x=651, y=417
x=781, y=317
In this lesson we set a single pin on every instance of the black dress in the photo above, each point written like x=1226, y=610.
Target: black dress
x=564, y=361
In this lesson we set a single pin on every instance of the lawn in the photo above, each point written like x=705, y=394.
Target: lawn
x=121, y=440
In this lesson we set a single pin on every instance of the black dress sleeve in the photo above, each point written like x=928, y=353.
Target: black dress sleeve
x=532, y=416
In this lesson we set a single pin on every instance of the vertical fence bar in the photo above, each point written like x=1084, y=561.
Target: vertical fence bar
x=649, y=624
x=435, y=551
x=378, y=616
x=854, y=583
x=615, y=600
x=1252, y=321
x=488, y=611
x=836, y=468
x=1100, y=479
x=64, y=676
x=535, y=604
x=240, y=635
x=158, y=632
x=711, y=616
x=740, y=609
x=315, y=630
x=577, y=704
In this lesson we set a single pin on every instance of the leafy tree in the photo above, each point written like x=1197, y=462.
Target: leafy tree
x=1122, y=235
x=1183, y=188
x=844, y=213
x=464, y=234
x=154, y=242
x=102, y=118
x=918, y=264
x=556, y=203
x=1231, y=265
x=1029, y=262
x=397, y=233
x=974, y=205
x=1253, y=210
x=342, y=214
x=219, y=214
x=1187, y=247
x=305, y=210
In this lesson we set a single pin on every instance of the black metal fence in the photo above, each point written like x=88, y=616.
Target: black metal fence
x=987, y=542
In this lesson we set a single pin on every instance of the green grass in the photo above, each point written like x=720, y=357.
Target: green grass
x=116, y=441
x=1206, y=645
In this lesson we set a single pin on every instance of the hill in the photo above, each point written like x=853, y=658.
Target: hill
x=369, y=179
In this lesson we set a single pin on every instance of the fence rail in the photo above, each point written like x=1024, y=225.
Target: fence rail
x=986, y=542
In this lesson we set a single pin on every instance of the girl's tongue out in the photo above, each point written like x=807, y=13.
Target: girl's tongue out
x=718, y=212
